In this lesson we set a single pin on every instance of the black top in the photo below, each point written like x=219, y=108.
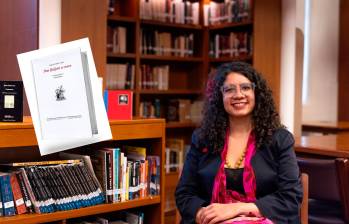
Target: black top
x=278, y=185
x=234, y=179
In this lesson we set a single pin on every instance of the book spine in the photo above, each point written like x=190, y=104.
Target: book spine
x=7, y=198
x=27, y=201
x=17, y=195
x=33, y=195
x=1, y=207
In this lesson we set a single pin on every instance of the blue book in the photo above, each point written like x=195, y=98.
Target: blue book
x=7, y=195
x=1, y=210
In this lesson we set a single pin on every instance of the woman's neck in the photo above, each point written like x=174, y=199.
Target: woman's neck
x=240, y=126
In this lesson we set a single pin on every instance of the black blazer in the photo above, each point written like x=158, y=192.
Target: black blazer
x=279, y=190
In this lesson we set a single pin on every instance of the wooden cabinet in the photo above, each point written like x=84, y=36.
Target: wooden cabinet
x=18, y=143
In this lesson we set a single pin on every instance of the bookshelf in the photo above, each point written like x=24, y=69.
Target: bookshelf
x=146, y=132
x=188, y=75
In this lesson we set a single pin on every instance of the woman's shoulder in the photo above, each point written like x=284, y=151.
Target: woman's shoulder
x=282, y=137
x=197, y=142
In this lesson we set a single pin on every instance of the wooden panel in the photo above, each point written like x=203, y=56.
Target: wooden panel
x=267, y=42
x=87, y=18
x=298, y=83
x=343, y=68
x=18, y=34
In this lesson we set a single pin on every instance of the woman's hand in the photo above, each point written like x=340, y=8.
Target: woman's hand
x=215, y=213
x=218, y=212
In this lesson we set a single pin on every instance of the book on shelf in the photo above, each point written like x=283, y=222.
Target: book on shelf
x=126, y=175
x=155, y=77
x=116, y=39
x=178, y=110
x=7, y=195
x=182, y=12
x=236, y=44
x=11, y=101
x=119, y=104
x=166, y=44
x=120, y=76
x=174, y=154
x=17, y=195
x=63, y=93
x=229, y=11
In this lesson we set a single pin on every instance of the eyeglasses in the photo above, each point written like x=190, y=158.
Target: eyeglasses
x=231, y=90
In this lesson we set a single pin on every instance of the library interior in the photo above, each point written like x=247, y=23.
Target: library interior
x=155, y=61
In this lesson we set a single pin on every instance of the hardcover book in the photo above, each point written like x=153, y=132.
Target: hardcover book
x=118, y=104
x=63, y=96
x=63, y=93
x=11, y=101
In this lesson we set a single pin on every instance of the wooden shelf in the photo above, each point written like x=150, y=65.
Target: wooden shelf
x=122, y=19
x=170, y=92
x=121, y=55
x=98, y=209
x=171, y=58
x=229, y=25
x=122, y=130
x=172, y=25
x=228, y=59
x=180, y=125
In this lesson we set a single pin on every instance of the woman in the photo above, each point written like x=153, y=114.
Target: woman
x=241, y=167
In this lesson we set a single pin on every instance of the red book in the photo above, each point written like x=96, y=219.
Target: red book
x=118, y=104
x=17, y=195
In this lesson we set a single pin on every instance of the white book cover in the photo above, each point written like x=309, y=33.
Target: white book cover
x=61, y=96
x=64, y=96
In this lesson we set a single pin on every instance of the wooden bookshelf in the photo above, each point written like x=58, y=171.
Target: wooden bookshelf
x=18, y=142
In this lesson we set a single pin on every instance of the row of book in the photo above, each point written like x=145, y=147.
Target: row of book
x=62, y=185
x=120, y=76
x=176, y=110
x=167, y=44
x=235, y=44
x=116, y=39
x=155, y=77
x=173, y=11
x=127, y=175
x=227, y=12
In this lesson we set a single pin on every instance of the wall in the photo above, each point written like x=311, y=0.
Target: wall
x=323, y=68
x=49, y=23
x=288, y=46
x=323, y=56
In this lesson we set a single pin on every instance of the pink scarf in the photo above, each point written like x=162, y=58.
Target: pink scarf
x=221, y=195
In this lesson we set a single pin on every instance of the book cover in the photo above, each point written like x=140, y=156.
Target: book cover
x=118, y=104
x=64, y=96
x=11, y=101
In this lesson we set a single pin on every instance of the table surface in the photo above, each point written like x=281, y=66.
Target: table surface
x=324, y=145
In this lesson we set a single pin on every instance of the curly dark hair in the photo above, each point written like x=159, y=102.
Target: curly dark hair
x=265, y=118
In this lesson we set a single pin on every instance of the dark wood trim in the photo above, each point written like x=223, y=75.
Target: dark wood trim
x=343, y=68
